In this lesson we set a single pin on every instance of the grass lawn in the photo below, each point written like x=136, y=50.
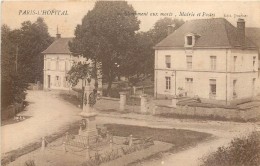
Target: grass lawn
x=178, y=137
x=71, y=99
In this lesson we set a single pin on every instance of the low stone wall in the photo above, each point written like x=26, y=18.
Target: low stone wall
x=110, y=98
x=231, y=113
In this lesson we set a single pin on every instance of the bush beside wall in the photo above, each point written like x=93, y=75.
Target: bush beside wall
x=243, y=151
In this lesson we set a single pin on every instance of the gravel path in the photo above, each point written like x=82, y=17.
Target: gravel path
x=49, y=115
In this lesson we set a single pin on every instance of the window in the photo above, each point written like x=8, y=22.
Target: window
x=189, y=61
x=168, y=61
x=213, y=60
x=234, y=88
x=168, y=83
x=234, y=62
x=189, y=40
x=254, y=59
x=213, y=88
x=189, y=86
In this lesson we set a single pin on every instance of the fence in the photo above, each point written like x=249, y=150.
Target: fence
x=101, y=150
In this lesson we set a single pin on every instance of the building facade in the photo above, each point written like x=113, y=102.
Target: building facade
x=208, y=58
x=58, y=60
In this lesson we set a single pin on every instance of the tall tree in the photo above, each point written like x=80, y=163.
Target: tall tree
x=32, y=40
x=107, y=35
x=160, y=29
x=13, y=85
x=7, y=66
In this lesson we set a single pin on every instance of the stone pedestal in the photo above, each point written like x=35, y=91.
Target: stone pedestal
x=88, y=115
x=174, y=101
x=122, y=101
x=143, y=103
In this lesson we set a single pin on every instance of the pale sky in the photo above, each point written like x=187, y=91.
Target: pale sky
x=250, y=11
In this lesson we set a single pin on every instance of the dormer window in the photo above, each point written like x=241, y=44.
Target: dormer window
x=189, y=40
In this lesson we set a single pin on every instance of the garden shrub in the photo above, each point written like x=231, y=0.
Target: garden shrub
x=243, y=151
x=29, y=163
x=114, y=93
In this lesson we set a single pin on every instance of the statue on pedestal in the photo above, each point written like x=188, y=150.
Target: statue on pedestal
x=88, y=123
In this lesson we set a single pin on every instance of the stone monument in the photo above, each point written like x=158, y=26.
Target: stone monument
x=88, y=124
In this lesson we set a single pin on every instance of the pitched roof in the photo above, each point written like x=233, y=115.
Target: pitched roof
x=59, y=46
x=254, y=35
x=215, y=32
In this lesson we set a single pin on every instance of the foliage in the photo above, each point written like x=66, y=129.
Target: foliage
x=106, y=35
x=22, y=61
x=110, y=155
x=98, y=158
x=178, y=137
x=160, y=30
x=30, y=163
x=79, y=71
x=143, y=63
x=7, y=66
x=19, y=86
x=241, y=151
x=114, y=92
x=13, y=83
x=131, y=149
x=31, y=39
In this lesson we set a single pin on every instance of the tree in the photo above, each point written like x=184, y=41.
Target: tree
x=160, y=29
x=32, y=39
x=13, y=85
x=79, y=71
x=7, y=66
x=107, y=35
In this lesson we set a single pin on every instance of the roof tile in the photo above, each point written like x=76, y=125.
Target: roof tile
x=215, y=32
x=59, y=46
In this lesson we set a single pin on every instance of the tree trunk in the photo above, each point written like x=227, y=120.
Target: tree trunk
x=95, y=74
x=110, y=80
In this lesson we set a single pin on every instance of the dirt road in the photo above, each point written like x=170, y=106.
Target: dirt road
x=50, y=114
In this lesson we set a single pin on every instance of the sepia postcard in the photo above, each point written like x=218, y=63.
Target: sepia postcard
x=136, y=83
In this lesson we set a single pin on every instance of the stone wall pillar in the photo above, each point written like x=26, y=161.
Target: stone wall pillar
x=122, y=101
x=143, y=103
x=174, y=101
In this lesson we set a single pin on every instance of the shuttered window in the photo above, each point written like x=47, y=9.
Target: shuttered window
x=168, y=83
x=168, y=61
x=189, y=61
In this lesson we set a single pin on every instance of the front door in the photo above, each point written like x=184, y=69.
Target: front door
x=49, y=81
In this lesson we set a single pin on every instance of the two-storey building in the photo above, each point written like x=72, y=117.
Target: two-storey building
x=208, y=58
x=58, y=60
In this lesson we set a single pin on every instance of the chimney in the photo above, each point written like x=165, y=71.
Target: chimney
x=58, y=35
x=170, y=29
x=241, y=31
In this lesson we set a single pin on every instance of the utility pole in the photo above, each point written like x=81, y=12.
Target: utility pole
x=16, y=58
